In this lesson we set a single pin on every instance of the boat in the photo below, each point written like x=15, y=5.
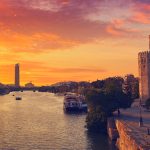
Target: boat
x=74, y=102
x=18, y=98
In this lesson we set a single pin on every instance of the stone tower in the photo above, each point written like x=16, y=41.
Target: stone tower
x=17, y=75
x=144, y=74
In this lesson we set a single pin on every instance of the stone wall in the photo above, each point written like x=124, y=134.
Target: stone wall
x=118, y=131
x=111, y=129
x=125, y=141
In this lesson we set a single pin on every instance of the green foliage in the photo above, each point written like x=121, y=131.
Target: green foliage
x=109, y=101
x=147, y=103
x=96, y=120
x=103, y=84
x=103, y=102
x=113, y=84
x=98, y=84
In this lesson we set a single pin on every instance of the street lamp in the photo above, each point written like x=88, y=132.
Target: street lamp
x=141, y=119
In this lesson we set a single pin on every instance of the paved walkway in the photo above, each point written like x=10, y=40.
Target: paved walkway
x=130, y=117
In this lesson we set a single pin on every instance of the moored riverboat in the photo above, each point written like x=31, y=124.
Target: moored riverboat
x=74, y=103
x=18, y=98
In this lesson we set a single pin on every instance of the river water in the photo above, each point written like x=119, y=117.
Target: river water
x=38, y=122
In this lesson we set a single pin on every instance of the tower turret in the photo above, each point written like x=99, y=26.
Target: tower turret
x=144, y=73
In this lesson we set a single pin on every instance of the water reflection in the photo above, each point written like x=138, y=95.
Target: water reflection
x=99, y=142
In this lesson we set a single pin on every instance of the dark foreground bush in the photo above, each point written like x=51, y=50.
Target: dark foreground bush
x=147, y=103
x=96, y=121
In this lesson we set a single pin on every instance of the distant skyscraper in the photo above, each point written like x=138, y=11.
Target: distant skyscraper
x=144, y=74
x=17, y=75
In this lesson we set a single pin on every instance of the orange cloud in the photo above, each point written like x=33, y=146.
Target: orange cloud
x=143, y=6
x=118, y=23
x=75, y=70
x=34, y=67
x=36, y=42
x=141, y=17
x=112, y=30
x=119, y=27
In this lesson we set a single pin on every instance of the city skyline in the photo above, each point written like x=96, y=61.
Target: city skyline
x=61, y=40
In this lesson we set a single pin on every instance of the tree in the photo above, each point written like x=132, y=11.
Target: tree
x=98, y=84
x=109, y=101
x=147, y=103
x=103, y=102
x=96, y=120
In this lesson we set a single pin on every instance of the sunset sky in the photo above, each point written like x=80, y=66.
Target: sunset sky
x=80, y=40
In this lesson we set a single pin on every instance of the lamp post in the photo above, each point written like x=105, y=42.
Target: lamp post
x=141, y=119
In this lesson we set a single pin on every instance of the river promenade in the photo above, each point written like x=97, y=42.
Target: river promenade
x=131, y=135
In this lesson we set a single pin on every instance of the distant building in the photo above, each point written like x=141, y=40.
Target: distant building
x=2, y=85
x=29, y=85
x=131, y=86
x=144, y=74
x=17, y=75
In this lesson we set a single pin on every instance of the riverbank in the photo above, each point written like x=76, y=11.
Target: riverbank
x=127, y=131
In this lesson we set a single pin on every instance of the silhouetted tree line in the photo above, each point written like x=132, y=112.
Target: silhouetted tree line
x=4, y=90
x=65, y=87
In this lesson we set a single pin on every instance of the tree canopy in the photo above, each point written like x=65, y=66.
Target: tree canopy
x=109, y=100
x=102, y=102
